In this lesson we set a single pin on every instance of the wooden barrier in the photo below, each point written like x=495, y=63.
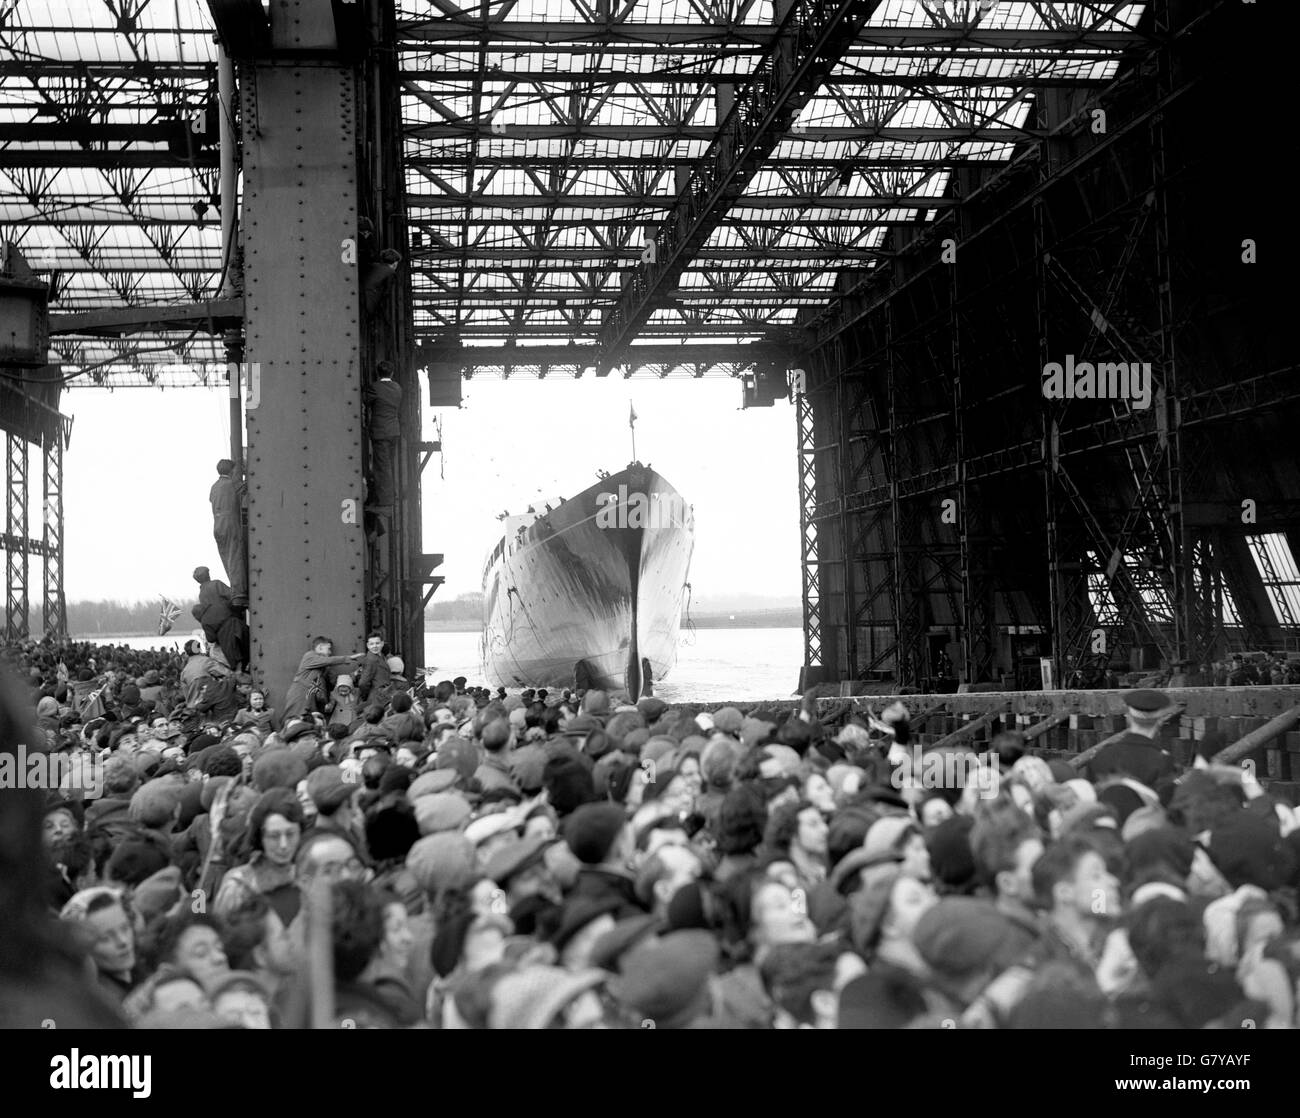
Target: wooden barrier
x=970, y=729
x=1256, y=738
x=1081, y=759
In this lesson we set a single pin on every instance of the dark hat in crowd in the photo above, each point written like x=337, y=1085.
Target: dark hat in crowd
x=442, y=811
x=428, y=783
x=527, y=765
x=580, y=911
x=201, y=574
x=1147, y=701
x=951, y=859
x=962, y=936
x=391, y=832
x=135, y=861
x=1248, y=850
x=1161, y=847
x=568, y=782
x=154, y=804
x=651, y=709
x=278, y=768
x=888, y=998
x=515, y=857
x=869, y=904
x=200, y=742
x=691, y=907
x=459, y=754
x=1122, y=799
x=295, y=729
x=609, y=950
x=327, y=789
x=728, y=720
x=441, y=861
x=666, y=979
x=592, y=829
x=532, y=998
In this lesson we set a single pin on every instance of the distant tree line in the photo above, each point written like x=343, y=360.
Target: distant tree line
x=103, y=616
x=111, y=616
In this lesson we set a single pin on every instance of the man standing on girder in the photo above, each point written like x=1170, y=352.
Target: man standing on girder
x=385, y=400
x=228, y=529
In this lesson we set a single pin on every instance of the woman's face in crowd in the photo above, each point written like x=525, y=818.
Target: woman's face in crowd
x=405, y=758
x=542, y=825
x=934, y=811
x=398, y=938
x=180, y=993
x=200, y=952
x=245, y=1008
x=812, y=832
x=781, y=916
x=908, y=902
x=114, y=946
x=256, y=700
x=689, y=772
x=817, y=791
x=280, y=839
x=58, y=825
x=916, y=858
x=678, y=797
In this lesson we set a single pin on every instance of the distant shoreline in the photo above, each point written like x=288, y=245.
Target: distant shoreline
x=762, y=619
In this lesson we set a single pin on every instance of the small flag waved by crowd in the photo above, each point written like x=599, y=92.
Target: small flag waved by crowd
x=167, y=616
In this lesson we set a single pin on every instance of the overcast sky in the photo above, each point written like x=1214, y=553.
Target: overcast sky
x=142, y=461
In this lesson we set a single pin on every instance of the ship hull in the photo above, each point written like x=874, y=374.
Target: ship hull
x=591, y=594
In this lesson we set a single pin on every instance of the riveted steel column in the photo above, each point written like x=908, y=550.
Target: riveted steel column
x=302, y=311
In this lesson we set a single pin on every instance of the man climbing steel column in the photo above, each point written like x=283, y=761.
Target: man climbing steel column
x=228, y=529
x=221, y=625
x=385, y=400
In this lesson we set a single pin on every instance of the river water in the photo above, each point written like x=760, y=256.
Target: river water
x=713, y=665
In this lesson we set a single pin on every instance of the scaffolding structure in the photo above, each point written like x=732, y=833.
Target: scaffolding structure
x=36, y=436
x=959, y=513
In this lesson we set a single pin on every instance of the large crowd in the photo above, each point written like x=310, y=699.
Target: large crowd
x=370, y=851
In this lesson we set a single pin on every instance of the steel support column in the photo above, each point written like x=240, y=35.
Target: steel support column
x=302, y=311
x=806, y=432
x=54, y=611
x=16, y=618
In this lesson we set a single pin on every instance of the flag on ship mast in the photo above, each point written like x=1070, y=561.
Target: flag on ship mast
x=631, y=422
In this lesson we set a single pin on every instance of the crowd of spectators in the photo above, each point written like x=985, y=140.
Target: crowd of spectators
x=476, y=859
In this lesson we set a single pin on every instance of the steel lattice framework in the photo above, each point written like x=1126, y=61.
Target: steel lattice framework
x=547, y=144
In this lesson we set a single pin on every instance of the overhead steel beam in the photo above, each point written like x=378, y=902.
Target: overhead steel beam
x=63, y=132
x=664, y=201
x=810, y=39
x=219, y=313
x=812, y=256
x=134, y=158
x=468, y=28
x=680, y=78
x=485, y=128
x=585, y=356
x=455, y=161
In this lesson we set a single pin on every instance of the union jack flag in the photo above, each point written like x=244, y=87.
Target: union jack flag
x=167, y=616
